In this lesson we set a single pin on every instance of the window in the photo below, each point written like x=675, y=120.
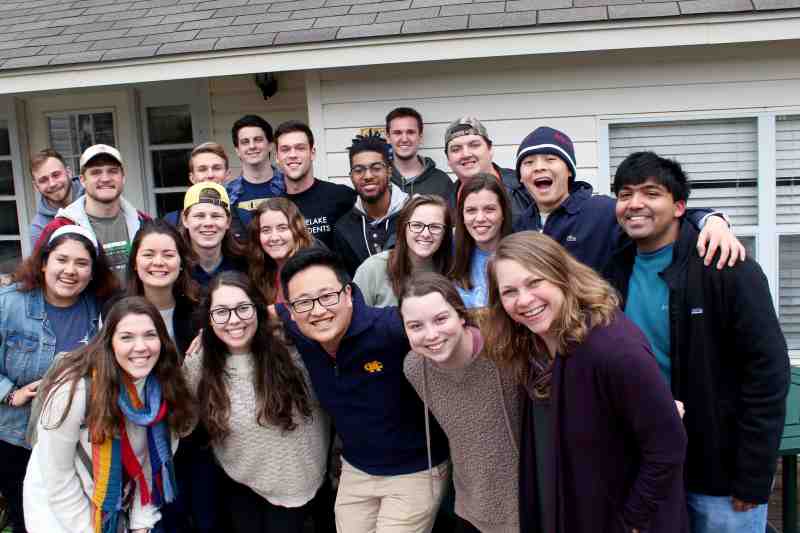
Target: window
x=787, y=169
x=72, y=133
x=170, y=140
x=10, y=248
x=719, y=156
x=789, y=289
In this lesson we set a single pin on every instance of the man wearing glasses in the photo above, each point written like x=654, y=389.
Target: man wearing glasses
x=354, y=355
x=57, y=188
x=370, y=226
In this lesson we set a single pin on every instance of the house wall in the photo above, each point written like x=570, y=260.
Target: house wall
x=234, y=96
x=572, y=92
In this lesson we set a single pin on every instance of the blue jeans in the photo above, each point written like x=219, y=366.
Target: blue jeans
x=715, y=514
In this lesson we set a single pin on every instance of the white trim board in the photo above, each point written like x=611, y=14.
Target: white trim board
x=702, y=30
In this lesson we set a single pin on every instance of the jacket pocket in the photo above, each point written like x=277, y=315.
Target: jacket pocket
x=22, y=358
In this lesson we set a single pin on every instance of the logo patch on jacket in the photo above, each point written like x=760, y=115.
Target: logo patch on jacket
x=572, y=238
x=373, y=366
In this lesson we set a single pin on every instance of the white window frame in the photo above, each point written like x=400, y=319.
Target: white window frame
x=8, y=113
x=767, y=232
x=70, y=112
x=195, y=94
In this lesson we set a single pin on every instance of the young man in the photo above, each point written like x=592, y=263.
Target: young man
x=321, y=202
x=253, y=141
x=411, y=172
x=582, y=222
x=57, y=188
x=102, y=209
x=717, y=340
x=354, y=355
x=469, y=153
x=370, y=226
x=206, y=221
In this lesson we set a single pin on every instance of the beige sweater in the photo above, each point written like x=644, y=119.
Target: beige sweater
x=285, y=468
x=478, y=408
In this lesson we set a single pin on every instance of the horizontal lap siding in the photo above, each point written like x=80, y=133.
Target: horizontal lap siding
x=235, y=96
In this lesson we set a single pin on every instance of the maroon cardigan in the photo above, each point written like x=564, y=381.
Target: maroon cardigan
x=620, y=444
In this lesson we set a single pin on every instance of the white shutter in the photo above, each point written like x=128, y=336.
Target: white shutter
x=719, y=156
x=787, y=169
x=789, y=289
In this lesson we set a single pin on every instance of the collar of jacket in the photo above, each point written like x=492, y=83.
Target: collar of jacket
x=34, y=300
x=362, y=316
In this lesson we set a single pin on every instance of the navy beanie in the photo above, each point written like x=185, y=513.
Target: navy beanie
x=546, y=140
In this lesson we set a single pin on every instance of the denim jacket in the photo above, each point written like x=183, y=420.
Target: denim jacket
x=27, y=348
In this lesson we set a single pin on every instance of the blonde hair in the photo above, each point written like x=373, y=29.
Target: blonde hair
x=589, y=301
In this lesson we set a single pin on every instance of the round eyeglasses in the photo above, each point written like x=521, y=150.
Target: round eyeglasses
x=221, y=315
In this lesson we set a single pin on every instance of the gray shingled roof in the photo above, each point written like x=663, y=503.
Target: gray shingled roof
x=36, y=33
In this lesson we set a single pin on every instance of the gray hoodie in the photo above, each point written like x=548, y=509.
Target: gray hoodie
x=45, y=212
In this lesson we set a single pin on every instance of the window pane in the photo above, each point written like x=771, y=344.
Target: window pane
x=789, y=288
x=6, y=178
x=749, y=243
x=8, y=219
x=10, y=256
x=5, y=144
x=171, y=167
x=170, y=124
x=787, y=169
x=168, y=201
x=104, y=129
x=62, y=136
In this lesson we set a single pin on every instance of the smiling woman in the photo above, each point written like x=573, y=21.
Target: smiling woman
x=112, y=414
x=52, y=307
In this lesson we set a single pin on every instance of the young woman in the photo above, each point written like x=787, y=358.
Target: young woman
x=602, y=443
x=159, y=268
x=266, y=428
x=206, y=221
x=475, y=403
x=483, y=218
x=52, y=307
x=111, y=417
x=425, y=242
x=280, y=229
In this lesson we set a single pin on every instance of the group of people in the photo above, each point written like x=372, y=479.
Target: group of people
x=506, y=352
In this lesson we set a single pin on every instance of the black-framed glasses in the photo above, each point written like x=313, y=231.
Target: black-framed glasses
x=329, y=299
x=221, y=315
x=358, y=171
x=435, y=228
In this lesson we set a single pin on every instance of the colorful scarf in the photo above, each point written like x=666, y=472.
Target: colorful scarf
x=115, y=465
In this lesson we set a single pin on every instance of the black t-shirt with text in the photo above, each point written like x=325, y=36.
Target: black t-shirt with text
x=322, y=205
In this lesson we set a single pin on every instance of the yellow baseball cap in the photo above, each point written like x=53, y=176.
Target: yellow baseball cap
x=206, y=192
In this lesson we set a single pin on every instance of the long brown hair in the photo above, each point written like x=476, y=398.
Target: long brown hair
x=279, y=384
x=29, y=275
x=464, y=242
x=184, y=286
x=399, y=266
x=262, y=268
x=97, y=361
x=589, y=301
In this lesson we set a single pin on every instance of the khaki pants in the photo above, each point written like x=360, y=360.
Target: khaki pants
x=389, y=504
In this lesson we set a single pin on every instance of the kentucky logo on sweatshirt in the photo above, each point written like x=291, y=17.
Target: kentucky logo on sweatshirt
x=373, y=366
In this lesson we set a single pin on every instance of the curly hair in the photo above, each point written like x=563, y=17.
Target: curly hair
x=184, y=285
x=464, y=242
x=29, y=274
x=97, y=361
x=373, y=142
x=279, y=384
x=399, y=266
x=589, y=301
x=263, y=269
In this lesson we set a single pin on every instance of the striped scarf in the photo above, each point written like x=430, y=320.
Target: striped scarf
x=115, y=465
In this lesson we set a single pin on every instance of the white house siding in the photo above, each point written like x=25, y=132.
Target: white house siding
x=577, y=93
x=234, y=96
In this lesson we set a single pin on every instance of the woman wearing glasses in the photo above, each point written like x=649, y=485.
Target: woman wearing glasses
x=425, y=243
x=280, y=229
x=266, y=428
x=483, y=218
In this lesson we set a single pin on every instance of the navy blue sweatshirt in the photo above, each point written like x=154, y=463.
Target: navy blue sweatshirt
x=377, y=413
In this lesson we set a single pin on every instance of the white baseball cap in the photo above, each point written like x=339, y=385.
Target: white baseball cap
x=99, y=149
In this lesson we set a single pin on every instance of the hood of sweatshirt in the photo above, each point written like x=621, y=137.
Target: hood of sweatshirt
x=43, y=208
x=396, y=201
